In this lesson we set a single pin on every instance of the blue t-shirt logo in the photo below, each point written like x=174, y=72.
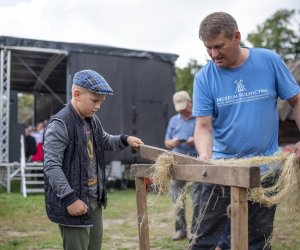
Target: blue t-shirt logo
x=239, y=86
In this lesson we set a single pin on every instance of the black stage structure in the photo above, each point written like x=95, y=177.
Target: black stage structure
x=143, y=84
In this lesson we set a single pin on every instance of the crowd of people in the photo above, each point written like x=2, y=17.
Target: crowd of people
x=34, y=142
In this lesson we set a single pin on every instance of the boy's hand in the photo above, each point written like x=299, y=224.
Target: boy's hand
x=77, y=208
x=134, y=142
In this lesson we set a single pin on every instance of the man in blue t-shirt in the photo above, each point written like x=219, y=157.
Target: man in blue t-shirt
x=180, y=138
x=235, y=105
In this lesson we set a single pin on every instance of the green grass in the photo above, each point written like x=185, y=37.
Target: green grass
x=24, y=224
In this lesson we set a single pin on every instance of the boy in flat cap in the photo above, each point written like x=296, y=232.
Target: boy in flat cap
x=74, y=166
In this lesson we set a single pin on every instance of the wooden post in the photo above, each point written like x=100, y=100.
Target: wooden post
x=187, y=168
x=141, y=201
x=239, y=219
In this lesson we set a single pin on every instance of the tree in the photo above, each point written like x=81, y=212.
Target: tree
x=185, y=76
x=25, y=108
x=277, y=34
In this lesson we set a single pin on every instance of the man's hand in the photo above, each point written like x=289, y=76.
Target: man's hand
x=293, y=149
x=172, y=143
x=134, y=142
x=296, y=150
x=204, y=157
x=77, y=208
x=190, y=142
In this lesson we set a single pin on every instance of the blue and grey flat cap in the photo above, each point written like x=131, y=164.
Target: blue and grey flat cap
x=92, y=81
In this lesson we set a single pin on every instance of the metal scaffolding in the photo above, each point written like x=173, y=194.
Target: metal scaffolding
x=4, y=104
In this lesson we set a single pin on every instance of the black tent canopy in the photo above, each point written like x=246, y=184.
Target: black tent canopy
x=143, y=84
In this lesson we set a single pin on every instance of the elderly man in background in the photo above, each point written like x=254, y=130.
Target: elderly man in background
x=180, y=138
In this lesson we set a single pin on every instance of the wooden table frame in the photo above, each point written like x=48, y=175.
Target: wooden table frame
x=239, y=178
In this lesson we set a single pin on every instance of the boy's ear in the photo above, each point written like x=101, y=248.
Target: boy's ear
x=76, y=93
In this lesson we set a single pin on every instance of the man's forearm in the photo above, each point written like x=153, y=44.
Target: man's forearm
x=296, y=113
x=203, y=143
x=203, y=137
x=295, y=103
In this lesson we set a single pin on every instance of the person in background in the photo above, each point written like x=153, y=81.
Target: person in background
x=74, y=164
x=38, y=135
x=235, y=105
x=30, y=144
x=180, y=138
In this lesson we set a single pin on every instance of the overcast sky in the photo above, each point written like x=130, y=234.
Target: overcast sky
x=169, y=26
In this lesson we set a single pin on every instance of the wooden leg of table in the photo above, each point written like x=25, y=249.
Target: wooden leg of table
x=239, y=219
x=141, y=201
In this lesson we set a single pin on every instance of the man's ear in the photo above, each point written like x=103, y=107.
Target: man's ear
x=237, y=37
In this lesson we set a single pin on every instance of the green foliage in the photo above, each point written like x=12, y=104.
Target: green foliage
x=185, y=76
x=278, y=34
x=25, y=108
x=25, y=100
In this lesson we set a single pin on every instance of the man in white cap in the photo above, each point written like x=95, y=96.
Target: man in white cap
x=180, y=138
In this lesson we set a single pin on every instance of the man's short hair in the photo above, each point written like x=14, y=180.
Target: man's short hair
x=217, y=23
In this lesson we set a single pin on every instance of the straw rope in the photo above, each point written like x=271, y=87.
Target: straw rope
x=284, y=168
x=284, y=171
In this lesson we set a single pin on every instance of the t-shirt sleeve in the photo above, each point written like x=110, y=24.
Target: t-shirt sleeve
x=286, y=84
x=202, y=100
